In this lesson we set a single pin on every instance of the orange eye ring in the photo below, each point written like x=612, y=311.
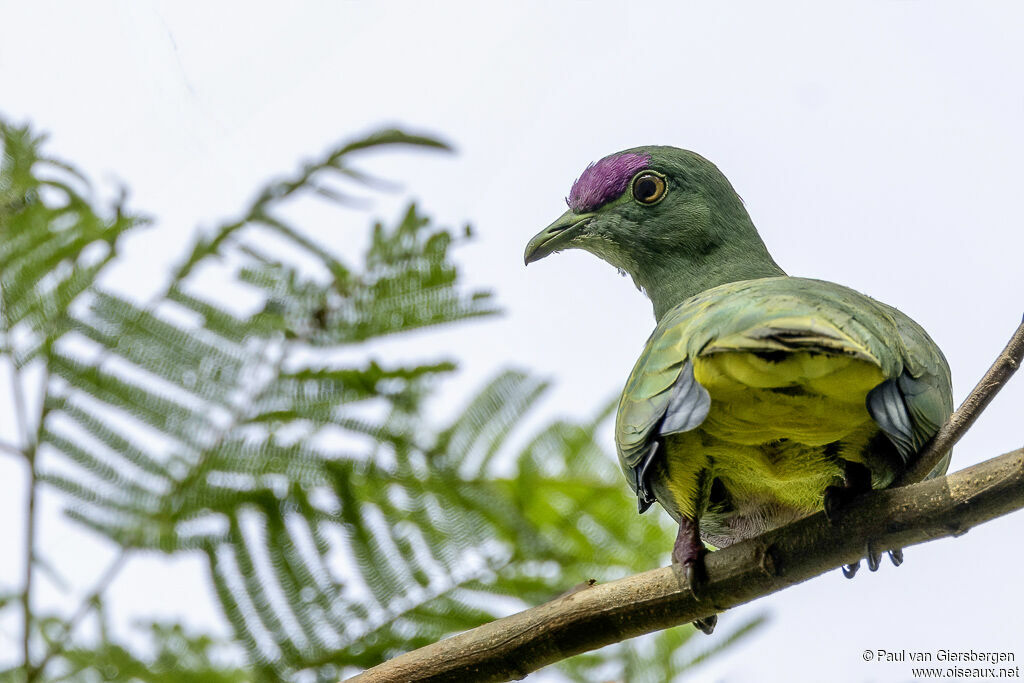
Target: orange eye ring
x=648, y=188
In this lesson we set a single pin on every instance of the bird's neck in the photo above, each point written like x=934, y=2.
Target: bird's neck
x=672, y=278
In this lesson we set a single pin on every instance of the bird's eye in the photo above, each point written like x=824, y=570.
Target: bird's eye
x=648, y=188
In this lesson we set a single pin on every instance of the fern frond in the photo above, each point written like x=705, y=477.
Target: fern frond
x=53, y=243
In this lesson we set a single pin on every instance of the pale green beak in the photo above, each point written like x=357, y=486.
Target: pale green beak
x=556, y=236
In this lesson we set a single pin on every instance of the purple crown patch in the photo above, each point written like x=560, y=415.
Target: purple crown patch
x=604, y=180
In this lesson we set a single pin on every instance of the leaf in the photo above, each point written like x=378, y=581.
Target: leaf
x=53, y=243
x=179, y=656
x=308, y=177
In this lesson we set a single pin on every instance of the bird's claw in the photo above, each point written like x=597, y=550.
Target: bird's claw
x=696, y=578
x=707, y=624
x=874, y=557
x=874, y=560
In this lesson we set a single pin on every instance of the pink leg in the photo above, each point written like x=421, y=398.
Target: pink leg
x=689, y=552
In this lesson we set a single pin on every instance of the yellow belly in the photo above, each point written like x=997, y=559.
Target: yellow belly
x=776, y=427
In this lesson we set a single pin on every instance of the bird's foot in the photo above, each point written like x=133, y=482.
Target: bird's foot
x=689, y=552
x=856, y=480
x=836, y=498
x=874, y=559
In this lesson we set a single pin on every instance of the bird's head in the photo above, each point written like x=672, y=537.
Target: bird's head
x=667, y=216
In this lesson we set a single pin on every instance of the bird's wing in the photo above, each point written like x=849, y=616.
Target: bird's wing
x=782, y=314
x=924, y=387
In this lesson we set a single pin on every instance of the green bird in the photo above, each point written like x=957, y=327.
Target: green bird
x=759, y=398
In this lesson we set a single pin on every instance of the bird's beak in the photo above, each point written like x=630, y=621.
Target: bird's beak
x=556, y=236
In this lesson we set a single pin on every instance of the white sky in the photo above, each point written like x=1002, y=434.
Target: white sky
x=880, y=148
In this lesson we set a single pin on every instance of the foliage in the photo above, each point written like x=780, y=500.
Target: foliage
x=339, y=526
x=177, y=657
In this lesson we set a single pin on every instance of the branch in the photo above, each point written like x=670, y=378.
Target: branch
x=21, y=416
x=11, y=449
x=512, y=647
x=88, y=603
x=960, y=421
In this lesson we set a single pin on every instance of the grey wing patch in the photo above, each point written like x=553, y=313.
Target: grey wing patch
x=688, y=404
x=644, y=494
x=887, y=404
x=925, y=401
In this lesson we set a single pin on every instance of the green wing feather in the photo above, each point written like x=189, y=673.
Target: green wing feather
x=784, y=314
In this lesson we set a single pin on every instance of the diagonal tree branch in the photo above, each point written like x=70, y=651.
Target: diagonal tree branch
x=961, y=420
x=510, y=648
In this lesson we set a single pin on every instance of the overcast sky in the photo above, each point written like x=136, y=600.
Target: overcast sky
x=879, y=148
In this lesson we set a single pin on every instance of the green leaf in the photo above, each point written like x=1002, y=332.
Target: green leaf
x=53, y=243
x=179, y=656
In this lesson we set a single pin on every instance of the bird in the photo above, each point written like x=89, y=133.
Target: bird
x=759, y=398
